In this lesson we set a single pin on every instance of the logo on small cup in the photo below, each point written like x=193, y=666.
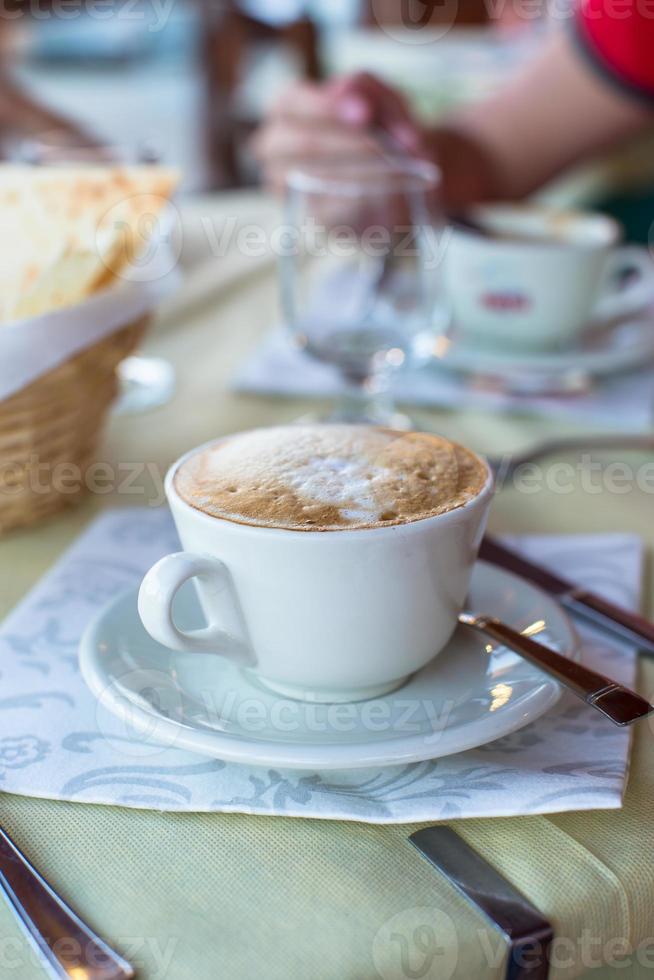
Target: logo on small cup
x=506, y=301
x=415, y=21
x=420, y=943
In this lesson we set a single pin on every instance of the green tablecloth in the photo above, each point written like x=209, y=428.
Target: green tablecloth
x=197, y=896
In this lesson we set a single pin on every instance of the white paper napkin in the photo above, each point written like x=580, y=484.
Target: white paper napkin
x=56, y=742
x=276, y=368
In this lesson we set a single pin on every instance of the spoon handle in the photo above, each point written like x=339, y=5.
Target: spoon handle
x=67, y=946
x=618, y=703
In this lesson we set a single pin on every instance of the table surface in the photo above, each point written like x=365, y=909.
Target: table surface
x=197, y=896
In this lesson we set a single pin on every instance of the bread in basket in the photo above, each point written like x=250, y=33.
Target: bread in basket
x=69, y=313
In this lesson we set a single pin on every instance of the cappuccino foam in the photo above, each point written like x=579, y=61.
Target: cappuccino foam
x=329, y=477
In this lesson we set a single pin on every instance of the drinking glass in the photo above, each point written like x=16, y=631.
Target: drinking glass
x=359, y=275
x=145, y=382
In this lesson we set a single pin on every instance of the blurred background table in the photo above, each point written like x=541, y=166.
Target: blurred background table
x=198, y=75
x=193, y=896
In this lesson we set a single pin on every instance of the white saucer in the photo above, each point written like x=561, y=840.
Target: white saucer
x=602, y=352
x=471, y=694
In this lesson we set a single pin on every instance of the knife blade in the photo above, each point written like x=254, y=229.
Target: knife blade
x=621, y=622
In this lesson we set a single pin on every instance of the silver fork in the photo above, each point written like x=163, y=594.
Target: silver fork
x=68, y=947
x=503, y=466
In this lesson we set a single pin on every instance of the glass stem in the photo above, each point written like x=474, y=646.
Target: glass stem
x=366, y=399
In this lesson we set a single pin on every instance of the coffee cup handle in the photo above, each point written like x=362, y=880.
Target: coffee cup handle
x=155, y=604
x=618, y=302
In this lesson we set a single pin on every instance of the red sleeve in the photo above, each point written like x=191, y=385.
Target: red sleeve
x=618, y=35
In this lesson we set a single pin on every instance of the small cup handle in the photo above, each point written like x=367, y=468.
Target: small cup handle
x=155, y=605
x=618, y=302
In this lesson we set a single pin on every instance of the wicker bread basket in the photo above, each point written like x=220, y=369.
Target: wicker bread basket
x=49, y=430
x=77, y=286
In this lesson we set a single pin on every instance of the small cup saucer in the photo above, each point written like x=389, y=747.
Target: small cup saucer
x=472, y=693
x=599, y=352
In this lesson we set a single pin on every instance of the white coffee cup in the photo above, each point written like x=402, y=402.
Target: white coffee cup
x=540, y=276
x=318, y=615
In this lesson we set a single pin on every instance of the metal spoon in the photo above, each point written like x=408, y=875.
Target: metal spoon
x=618, y=703
x=68, y=947
x=507, y=465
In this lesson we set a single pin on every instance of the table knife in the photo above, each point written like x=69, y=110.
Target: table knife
x=526, y=931
x=620, y=622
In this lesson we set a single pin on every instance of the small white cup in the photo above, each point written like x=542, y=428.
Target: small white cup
x=318, y=615
x=540, y=289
